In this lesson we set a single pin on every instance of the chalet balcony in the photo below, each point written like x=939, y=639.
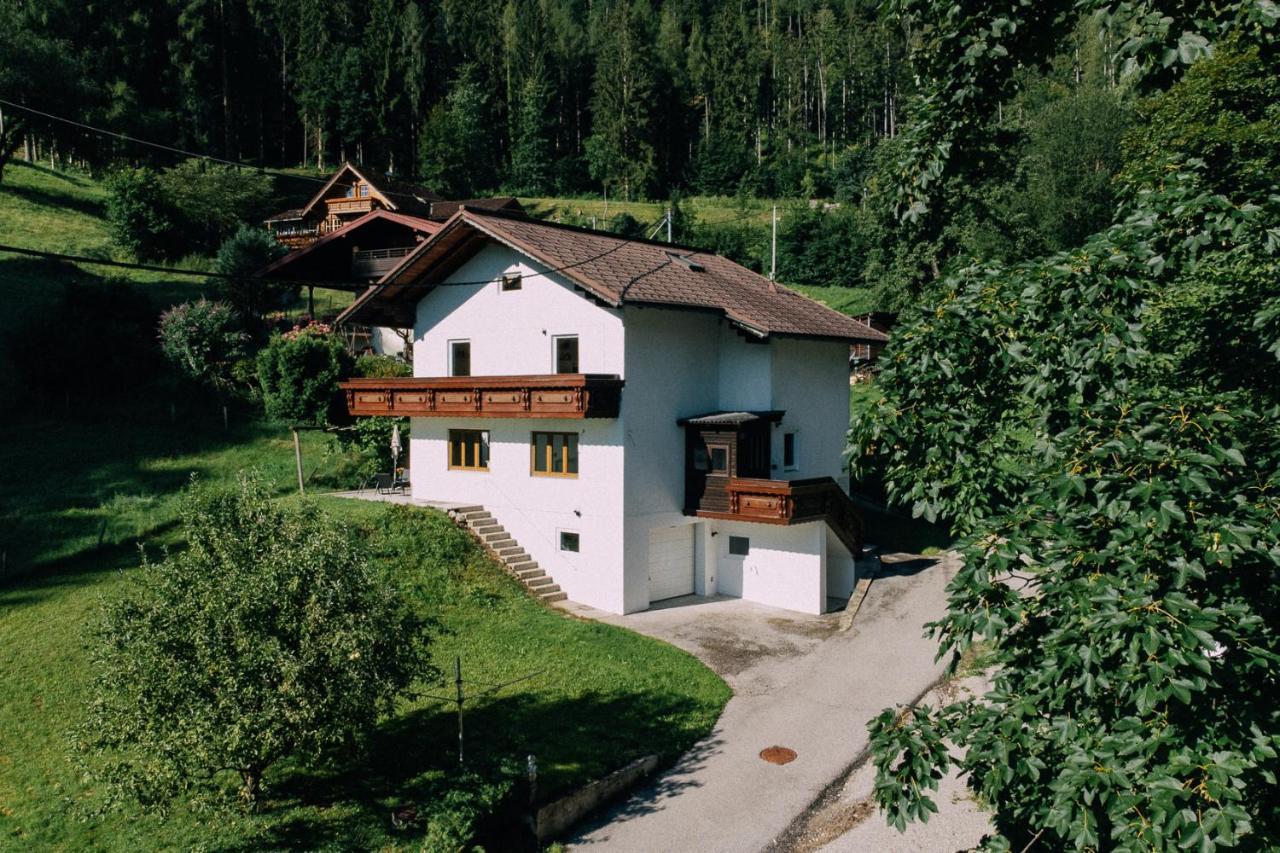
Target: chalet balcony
x=567, y=395
x=784, y=502
x=375, y=263
x=344, y=206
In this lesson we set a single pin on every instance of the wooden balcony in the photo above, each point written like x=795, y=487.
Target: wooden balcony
x=791, y=502
x=567, y=395
x=373, y=263
x=343, y=206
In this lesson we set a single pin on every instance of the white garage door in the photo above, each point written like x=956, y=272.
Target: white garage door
x=670, y=562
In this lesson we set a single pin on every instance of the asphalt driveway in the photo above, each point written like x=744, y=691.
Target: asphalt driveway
x=799, y=682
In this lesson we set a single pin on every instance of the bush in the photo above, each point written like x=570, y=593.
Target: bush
x=204, y=340
x=270, y=635
x=142, y=220
x=299, y=373
x=371, y=437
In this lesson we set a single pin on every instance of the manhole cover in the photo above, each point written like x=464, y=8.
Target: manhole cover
x=778, y=755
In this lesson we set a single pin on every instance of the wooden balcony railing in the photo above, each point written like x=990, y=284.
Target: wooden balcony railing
x=794, y=502
x=375, y=262
x=567, y=395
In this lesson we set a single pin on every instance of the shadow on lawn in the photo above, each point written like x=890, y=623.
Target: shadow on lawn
x=54, y=200
x=65, y=479
x=413, y=760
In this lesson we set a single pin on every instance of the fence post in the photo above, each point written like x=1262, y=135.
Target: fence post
x=457, y=683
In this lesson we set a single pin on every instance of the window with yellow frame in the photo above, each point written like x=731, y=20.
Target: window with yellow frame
x=469, y=449
x=554, y=454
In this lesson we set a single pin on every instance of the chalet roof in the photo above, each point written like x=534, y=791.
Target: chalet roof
x=346, y=232
x=403, y=197
x=732, y=419
x=615, y=270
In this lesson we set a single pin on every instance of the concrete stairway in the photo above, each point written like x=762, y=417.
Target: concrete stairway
x=500, y=543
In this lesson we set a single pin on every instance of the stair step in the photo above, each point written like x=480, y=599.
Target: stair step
x=539, y=583
x=509, y=552
x=495, y=537
x=558, y=595
x=522, y=565
x=474, y=518
x=527, y=574
x=485, y=527
x=464, y=510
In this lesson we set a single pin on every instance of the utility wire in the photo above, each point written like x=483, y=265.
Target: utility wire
x=81, y=259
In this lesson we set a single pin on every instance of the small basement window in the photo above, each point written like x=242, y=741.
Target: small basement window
x=739, y=546
x=512, y=281
x=569, y=541
x=459, y=358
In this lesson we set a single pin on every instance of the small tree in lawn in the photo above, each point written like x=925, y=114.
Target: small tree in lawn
x=299, y=372
x=204, y=340
x=243, y=255
x=269, y=636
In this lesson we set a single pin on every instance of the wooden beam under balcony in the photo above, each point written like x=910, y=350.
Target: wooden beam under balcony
x=561, y=395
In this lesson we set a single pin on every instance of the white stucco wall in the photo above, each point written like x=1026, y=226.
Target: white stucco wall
x=810, y=381
x=785, y=566
x=510, y=334
x=672, y=371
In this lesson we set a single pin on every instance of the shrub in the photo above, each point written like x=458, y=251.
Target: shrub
x=204, y=340
x=371, y=437
x=270, y=635
x=299, y=373
x=141, y=218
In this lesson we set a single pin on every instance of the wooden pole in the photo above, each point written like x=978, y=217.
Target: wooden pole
x=773, y=250
x=457, y=683
x=297, y=457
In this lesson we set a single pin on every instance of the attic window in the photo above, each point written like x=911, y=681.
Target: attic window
x=687, y=261
x=364, y=190
x=512, y=281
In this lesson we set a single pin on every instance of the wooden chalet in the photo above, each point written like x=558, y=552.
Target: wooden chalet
x=352, y=193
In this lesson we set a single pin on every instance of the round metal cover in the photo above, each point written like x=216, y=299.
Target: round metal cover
x=778, y=755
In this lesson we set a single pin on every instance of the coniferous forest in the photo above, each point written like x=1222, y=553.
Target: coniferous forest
x=630, y=100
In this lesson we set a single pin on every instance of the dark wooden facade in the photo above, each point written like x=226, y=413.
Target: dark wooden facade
x=568, y=395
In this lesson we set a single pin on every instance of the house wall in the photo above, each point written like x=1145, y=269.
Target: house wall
x=672, y=371
x=785, y=566
x=810, y=382
x=510, y=334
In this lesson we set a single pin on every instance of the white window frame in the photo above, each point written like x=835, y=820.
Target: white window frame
x=555, y=355
x=449, y=355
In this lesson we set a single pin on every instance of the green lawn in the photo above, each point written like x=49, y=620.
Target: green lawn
x=707, y=209
x=600, y=695
x=847, y=300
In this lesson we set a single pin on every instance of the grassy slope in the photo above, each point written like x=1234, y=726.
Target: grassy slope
x=707, y=209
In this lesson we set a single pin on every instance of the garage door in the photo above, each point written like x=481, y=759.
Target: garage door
x=670, y=562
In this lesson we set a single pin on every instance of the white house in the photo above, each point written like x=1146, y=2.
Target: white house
x=637, y=420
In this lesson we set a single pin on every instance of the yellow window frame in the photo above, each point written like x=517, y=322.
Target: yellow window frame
x=549, y=454
x=472, y=446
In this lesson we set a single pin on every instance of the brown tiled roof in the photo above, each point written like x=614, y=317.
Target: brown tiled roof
x=442, y=210
x=289, y=215
x=616, y=270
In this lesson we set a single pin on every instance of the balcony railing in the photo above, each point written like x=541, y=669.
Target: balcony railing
x=567, y=395
x=349, y=205
x=376, y=262
x=794, y=502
